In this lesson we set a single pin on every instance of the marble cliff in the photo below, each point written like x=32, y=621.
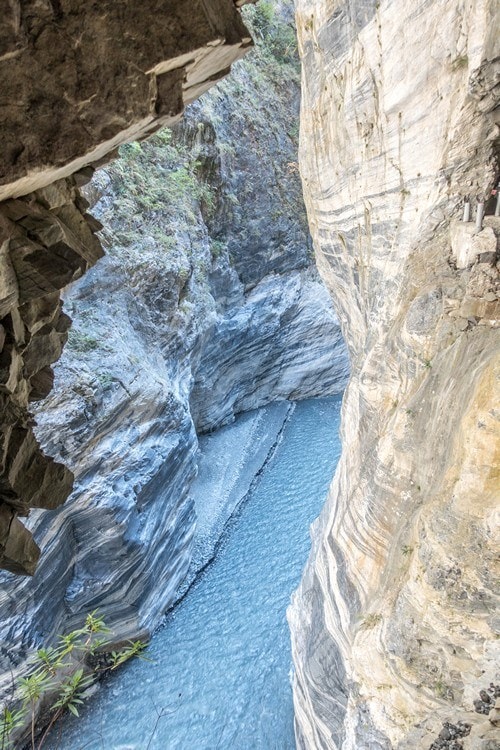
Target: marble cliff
x=207, y=304
x=394, y=624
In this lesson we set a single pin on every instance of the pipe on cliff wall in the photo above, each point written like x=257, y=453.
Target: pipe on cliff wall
x=479, y=216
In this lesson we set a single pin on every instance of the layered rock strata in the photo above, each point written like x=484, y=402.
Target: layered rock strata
x=48, y=241
x=204, y=306
x=393, y=626
x=77, y=81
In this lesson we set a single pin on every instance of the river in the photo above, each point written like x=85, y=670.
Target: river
x=219, y=675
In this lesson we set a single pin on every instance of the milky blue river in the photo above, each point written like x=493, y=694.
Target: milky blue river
x=220, y=677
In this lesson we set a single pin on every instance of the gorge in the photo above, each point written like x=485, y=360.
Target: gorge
x=204, y=307
x=220, y=664
x=192, y=318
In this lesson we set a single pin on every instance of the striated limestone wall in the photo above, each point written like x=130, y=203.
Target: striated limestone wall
x=393, y=626
x=77, y=81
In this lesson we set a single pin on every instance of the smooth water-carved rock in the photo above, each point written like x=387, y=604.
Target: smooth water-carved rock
x=281, y=341
x=393, y=626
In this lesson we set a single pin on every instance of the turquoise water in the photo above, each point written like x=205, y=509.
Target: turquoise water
x=221, y=672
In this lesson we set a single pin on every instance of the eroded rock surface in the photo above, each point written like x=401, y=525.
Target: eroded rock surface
x=206, y=304
x=394, y=624
x=48, y=241
x=77, y=81
x=87, y=78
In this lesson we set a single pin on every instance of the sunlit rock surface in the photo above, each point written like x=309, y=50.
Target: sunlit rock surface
x=393, y=626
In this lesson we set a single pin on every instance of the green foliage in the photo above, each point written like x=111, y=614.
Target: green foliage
x=33, y=687
x=371, y=620
x=106, y=379
x=274, y=35
x=135, y=648
x=217, y=248
x=155, y=183
x=70, y=691
x=263, y=17
x=442, y=690
x=293, y=132
x=82, y=342
x=10, y=720
x=59, y=678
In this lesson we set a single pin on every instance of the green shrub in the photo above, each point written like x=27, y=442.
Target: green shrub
x=274, y=35
x=82, y=342
x=60, y=676
x=217, y=248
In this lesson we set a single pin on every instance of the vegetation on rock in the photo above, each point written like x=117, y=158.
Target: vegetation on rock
x=59, y=679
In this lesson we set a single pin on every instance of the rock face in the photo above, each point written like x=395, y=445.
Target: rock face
x=206, y=304
x=47, y=242
x=77, y=81
x=393, y=625
x=87, y=79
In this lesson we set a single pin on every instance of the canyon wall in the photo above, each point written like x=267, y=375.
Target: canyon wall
x=394, y=625
x=207, y=304
x=77, y=81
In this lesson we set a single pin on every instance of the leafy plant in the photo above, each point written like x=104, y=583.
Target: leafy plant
x=371, y=620
x=263, y=17
x=106, y=379
x=82, y=342
x=274, y=34
x=59, y=678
